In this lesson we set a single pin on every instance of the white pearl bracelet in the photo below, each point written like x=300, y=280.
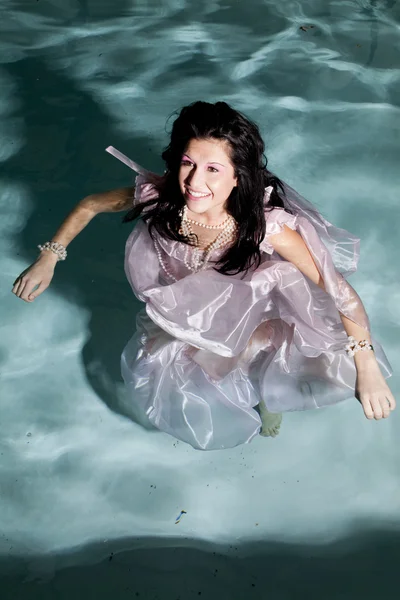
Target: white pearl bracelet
x=55, y=247
x=353, y=346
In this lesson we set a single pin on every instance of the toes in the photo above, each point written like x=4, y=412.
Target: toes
x=270, y=431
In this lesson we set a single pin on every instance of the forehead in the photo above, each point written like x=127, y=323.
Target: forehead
x=208, y=150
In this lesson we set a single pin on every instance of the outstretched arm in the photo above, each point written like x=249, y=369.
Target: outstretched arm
x=40, y=273
x=112, y=201
x=371, y=387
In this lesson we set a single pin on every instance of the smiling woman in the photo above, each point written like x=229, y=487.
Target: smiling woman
x=207, y=178
x=205, y=184
x=248, y=311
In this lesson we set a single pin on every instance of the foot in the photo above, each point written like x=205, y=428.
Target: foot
x=271, y=422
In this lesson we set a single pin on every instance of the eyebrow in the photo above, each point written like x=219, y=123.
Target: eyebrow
x=210, y=163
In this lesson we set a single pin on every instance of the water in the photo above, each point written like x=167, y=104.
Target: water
x=89, y=499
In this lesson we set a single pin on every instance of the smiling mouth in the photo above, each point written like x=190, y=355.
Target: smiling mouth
x=196, y=194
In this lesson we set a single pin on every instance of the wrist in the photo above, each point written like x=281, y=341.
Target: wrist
x=54, y=247
x=365, y=360
x=48, y=256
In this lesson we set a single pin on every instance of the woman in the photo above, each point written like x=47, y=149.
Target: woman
x=248, y=312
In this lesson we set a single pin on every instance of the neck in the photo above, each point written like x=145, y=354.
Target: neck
x=214, y=216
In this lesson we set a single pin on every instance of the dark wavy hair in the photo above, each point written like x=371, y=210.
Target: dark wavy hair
x=203, y=120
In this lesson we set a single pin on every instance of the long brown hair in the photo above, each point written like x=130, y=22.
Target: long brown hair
x=203, y=120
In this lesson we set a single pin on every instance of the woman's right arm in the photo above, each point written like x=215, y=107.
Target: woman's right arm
x=41, y=272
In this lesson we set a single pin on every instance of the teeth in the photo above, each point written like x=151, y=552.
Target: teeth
x=197, y=194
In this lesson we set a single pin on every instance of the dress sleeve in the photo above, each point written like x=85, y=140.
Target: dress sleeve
x=275, y=220
x=345, y=297
x=145, y=189
x=147, y=183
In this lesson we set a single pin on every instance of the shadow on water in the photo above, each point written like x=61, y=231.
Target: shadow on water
x=62, y=160
x=363, y=566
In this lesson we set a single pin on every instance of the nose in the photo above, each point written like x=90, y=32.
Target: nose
x=195, y=180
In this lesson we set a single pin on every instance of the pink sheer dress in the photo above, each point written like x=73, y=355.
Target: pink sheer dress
x=208, y=347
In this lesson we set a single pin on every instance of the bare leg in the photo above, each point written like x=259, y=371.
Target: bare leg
x=271, y=422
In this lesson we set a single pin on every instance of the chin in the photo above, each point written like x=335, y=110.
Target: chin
x=196, y=208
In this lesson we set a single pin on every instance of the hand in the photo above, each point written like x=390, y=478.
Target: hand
x=373, y=392
x=40, y=274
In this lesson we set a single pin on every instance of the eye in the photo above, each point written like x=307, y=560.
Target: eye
x=186, y=162
x=213, y=170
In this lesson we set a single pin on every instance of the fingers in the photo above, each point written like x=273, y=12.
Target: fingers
x=391, y=400
x=42, y=286
x=19, y=286
x=24, y=288
x=35, y=279
x=368, y=410
x=378, y=407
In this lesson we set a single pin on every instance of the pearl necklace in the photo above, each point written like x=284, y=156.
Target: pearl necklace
x=219, y=226
x=199, y=262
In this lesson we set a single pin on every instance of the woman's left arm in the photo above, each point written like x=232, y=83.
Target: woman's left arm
x=371, y=388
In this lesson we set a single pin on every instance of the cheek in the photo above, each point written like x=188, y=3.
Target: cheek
x=181, y=177
x=227, y=185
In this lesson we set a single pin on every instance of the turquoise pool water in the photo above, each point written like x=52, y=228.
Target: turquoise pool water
x=88, y=498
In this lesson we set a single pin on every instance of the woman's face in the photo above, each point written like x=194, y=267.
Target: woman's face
x=206, y=175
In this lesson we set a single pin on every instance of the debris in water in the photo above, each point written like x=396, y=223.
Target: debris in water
x=183, y=512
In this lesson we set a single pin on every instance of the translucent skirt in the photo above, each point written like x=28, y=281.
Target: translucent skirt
x=208, y=400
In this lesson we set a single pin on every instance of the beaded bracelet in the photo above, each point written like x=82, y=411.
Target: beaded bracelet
x=353, y=346
x=55, y=247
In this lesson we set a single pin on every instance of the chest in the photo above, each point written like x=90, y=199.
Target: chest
x=206, y=237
